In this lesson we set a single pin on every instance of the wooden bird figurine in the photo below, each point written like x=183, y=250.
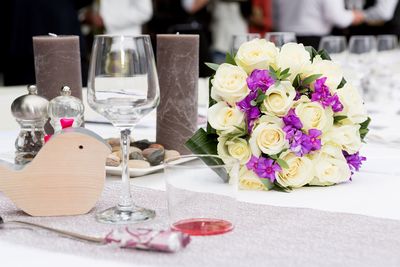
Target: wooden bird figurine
x=65, y=178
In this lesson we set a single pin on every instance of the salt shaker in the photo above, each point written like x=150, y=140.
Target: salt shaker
x=30, y=111
x=65, y=106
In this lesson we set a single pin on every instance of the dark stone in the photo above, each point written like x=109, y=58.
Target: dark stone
x=142, y=144
x=154, y=155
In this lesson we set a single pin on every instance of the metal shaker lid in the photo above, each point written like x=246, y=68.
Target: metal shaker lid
x=30, y=106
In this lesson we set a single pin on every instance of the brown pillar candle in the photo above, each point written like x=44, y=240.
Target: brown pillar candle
x=57, y=63
x=178, y=72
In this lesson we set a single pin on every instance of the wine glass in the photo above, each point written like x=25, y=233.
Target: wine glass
x=123, y=87
x=362, y=51
x=238, y=40
x=281, y=38
x=201, y=193
x=335, y=46
x=387, y=42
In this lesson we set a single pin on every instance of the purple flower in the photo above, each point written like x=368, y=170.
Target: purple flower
x=259, y=79
x=252, y=163
x=299, y=142
x=292, y=120
x=336, y=104
x=322, y=95
x=267, y=168
x=315, y=142
x=354, y=160
x=252, y=112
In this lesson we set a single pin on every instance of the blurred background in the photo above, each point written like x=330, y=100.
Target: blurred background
x=353, y=31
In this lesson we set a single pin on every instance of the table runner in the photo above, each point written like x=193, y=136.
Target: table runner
x=264, y=236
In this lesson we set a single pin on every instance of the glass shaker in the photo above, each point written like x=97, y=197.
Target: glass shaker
x=30, y=111
x=65, y=106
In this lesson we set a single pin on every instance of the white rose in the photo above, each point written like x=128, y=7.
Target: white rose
x=229, y=84
x=256, y=54
x=314, y=116
x=237, y=148
x=330, y=166
x=345, y=136
x=224, y=118
x=268, y=138
x=295, y=57
x=328, y=69
x=353, y=106
x=299, y=173
x=279, y=98
x=248, y=180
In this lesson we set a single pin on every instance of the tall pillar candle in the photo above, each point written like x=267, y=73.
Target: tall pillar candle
x=178, y=72
x=57, y=63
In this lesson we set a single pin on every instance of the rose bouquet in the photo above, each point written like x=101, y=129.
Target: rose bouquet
x=286, y=114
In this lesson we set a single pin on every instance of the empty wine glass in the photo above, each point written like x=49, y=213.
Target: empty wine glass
x=238, y=40
x=362, y=44
x=387, y=42
x=333, y=44
x=123, y=87
x=281, y=38
x=362, y=51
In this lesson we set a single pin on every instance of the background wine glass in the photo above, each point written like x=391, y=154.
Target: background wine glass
x=281, y=38
x=238, y=40
x=362, y=51
x=336, y=47
x=387, y=42
x=123, y=87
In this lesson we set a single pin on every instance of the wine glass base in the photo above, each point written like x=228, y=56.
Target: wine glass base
x=116, y=215
x=203, y=226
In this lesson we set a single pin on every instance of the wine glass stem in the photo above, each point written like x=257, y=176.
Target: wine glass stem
x=125, y=199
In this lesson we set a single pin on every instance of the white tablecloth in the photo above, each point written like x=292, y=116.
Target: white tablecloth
x=373, y=192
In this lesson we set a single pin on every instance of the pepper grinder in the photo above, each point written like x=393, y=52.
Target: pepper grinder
x=30, y=111
x=65, y=106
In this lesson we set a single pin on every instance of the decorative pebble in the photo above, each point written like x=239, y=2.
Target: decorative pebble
x=156, y=146
x=115, y=148
x=142, y=144
x=136, y=155
x=139, y=164
x=113, y=142
x=154, y=155
x=112, y=160
x=169, y=154
x=132, y=149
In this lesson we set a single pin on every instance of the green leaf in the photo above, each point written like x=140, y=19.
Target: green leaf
x=342, y=83
x=364, y=128
x=285, y=71
x=279, y=187
x=273, y=73
x=282, y=163
x=260, y=98
x=311, y=51
x=268, y=184
x=202, y=143
x=337, y=119
x=308, y=80
x=324, y=54
x=297, y=81
x=212, y=66
x=230, y=59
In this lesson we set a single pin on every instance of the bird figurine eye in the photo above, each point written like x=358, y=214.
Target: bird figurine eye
x=80, y=147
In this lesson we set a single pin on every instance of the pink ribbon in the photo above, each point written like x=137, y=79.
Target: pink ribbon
x=65, y=123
